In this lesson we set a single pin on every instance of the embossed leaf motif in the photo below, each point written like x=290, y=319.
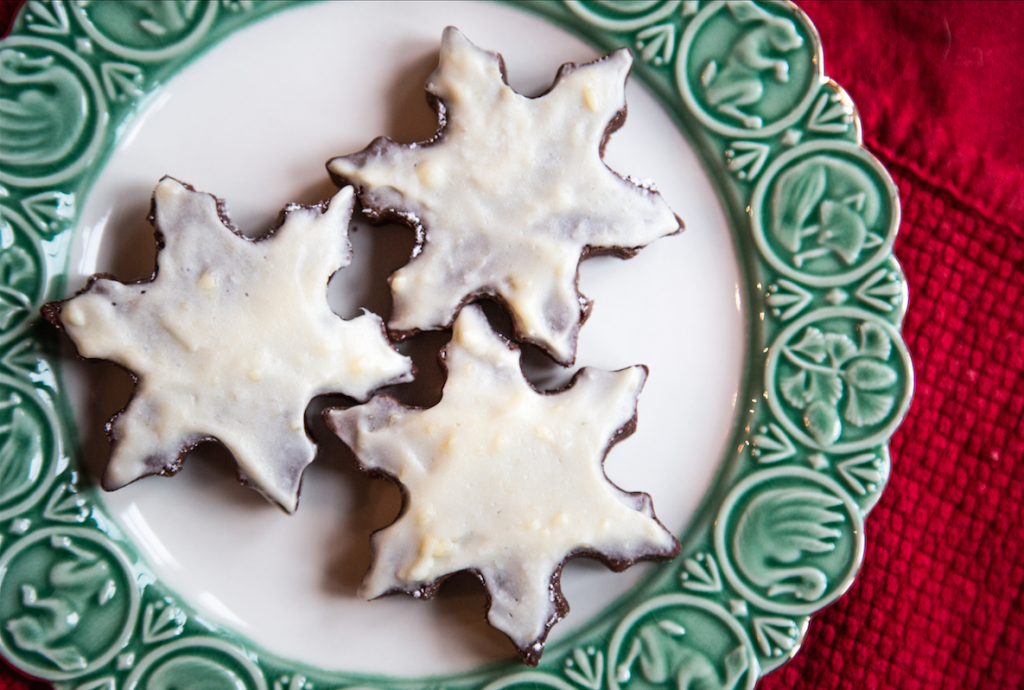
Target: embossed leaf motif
x=839, y=348
x=846, y=232
x=870, y=375
x=805, y=388
x=802, y=193
x=867, y=408
x=12, y=304
x=51, y=20
x=812, y=344
x=810, y=207
x=874, y=342
x=702, y=574
x=20, y=453
x=17, y=278
x=586, y=668
x=16, y=268
x=162, y=622
x=831, y=365
x=822, y=420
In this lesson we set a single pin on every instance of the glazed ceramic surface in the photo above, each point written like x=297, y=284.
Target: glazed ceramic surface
x=770, y=327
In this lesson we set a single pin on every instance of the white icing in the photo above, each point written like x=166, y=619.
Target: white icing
x=231, y=340
x=509, y=196
x=502, y=479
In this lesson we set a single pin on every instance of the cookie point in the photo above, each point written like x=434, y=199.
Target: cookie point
x=623, y=55
x=288, y=505
x=73, y=315
x=343, y=199
x=115, y=476
x=472, y=332
x=168, y=188
x=635, y=377
x=453, y=36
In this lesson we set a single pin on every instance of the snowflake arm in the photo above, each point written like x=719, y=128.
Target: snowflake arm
x=508, y=196
x=229, y=340
x=503, y=481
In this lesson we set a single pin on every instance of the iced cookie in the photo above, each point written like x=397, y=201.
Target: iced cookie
x=503, y=481
x=508, y=196
x=229, y=340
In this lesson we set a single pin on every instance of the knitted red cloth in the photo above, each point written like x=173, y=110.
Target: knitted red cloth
x=939, y=603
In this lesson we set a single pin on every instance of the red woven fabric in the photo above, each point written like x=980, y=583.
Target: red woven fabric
x=939, y=603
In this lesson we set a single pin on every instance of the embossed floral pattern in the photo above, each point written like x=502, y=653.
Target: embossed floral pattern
x=830, y=367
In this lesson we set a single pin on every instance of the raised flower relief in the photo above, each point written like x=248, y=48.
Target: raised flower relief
x=835, y=379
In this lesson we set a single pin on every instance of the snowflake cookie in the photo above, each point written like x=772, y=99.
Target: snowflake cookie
x=229, y=340
x=509, y=195
x=503, y=481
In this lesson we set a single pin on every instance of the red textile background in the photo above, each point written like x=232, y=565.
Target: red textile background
x=940, y=600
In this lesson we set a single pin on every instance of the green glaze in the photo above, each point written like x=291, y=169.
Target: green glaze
x=779, y=536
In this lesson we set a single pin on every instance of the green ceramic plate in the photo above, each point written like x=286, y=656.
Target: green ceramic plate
x=804, y=323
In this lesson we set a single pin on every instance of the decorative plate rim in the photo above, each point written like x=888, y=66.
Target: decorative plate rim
x=779, y=535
